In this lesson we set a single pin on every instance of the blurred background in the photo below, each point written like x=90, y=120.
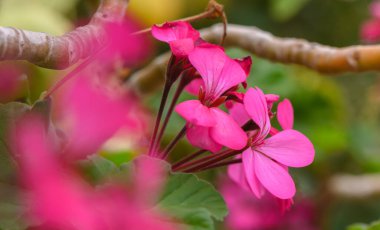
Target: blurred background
x=339, y=113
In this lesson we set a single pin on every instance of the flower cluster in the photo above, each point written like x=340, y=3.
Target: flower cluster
x=261, y=153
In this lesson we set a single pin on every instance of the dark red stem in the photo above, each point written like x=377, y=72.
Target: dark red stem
x=178, y=92
x=188, y=158
x=174, y=142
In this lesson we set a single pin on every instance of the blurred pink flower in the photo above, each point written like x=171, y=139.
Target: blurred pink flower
x=181, y=36
x=208, y=126
x=122, y=44
x=91, y=114
x=264, y=163
x=370, y=31
x=59, y=199
x=374, y=9
x=249, y=213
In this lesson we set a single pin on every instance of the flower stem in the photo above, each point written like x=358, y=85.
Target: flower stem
x=219, y=164
x=188, y=158
x=178, y=92
x=174, y=142
x=214, y=160
x=170, y=78
x=164, y=98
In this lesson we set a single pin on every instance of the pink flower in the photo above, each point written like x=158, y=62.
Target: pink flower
x=249, y=213
x=91, y=114
x=181, y=36
x=59, y=199
x=123, y=46
x=370, y=31
x=208, y=126
x=195, y=85
x=265, y=161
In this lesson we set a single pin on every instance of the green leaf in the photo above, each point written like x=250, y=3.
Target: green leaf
x=10, y=209
x=193, y=200
x=98, y=168
x=9, y=113
x=195, y=219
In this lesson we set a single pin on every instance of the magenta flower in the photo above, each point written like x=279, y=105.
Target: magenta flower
x=58, y=198
x=249, y=213
x=370, y=30
x=181, y=36
x=208, y=126
x=265, y=161
x=91, y=114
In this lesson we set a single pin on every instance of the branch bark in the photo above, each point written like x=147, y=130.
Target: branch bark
x=60, y=52
x=318, y=57
x=355, y=186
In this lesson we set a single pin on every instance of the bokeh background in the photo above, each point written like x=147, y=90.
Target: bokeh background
x=339, y=113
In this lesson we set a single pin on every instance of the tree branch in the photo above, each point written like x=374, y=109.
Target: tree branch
x=355, y=186
x=59, y=52
x=298, y=51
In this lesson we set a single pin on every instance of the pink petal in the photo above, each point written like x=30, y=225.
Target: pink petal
x=238, y=113
x=273, y=177
x=218, y=71
x=290, y=148
x=181, y=36
x=227, y=132
x=285, y=114
x=200, y=137
x=271, y=98
x=249, y=170
x=172, y=31
x=245, y=63
x=194, y=112
x=92, y=114
x=182, y=47
x=237, y=174
x=194, y=86
x=256, y=106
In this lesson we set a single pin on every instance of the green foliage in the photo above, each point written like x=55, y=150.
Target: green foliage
x=9, y=113
x=283, y=10
x=192, y=200
x=373, y=226
x=10, y=207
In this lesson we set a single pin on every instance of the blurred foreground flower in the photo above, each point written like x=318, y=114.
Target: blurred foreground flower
x=249, y=213
x=58, y=198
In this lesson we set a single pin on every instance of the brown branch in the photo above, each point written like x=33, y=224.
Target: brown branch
x=355, y=186
x=298, y=51
x=59, y=52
